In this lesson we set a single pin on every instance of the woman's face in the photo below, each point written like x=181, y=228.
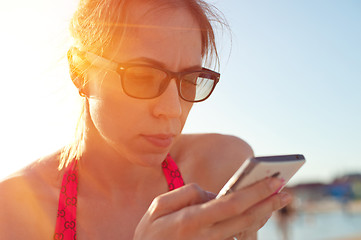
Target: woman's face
x=144, y=130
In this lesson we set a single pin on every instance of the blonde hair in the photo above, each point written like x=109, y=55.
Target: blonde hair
x=97, y=22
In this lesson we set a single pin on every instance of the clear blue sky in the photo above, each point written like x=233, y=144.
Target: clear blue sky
x=290, y=84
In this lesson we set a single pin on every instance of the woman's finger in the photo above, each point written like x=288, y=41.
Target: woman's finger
x=255, y=217
x=166, y=210
x=238, y=202
x=177, y=199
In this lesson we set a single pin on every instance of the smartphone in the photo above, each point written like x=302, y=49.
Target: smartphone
x=257, y=168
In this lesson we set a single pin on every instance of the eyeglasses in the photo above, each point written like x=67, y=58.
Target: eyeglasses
x=144, y=81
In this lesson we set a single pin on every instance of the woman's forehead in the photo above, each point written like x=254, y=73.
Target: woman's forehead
x=166, y=17
x=158, y=31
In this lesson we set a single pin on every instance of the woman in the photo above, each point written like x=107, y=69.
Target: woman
x=138, y=66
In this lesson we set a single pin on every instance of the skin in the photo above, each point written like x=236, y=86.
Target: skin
x=122, y=193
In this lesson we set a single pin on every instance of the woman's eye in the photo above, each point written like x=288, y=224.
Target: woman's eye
x=139, y=76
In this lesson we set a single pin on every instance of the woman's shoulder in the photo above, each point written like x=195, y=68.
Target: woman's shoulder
x=213, y=145
x=27, y=198
x=210, y=159
x=38, y=175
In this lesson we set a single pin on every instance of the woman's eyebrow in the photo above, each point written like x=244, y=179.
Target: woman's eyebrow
x=157, y=63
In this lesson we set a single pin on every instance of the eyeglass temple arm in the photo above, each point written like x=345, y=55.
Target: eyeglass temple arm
x=99, y=61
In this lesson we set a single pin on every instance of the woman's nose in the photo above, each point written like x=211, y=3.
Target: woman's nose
x=169, y=103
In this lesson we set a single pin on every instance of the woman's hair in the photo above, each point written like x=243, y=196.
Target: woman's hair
x=96, y=24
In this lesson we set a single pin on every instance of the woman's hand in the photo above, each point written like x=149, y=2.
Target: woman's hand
x=190, y=213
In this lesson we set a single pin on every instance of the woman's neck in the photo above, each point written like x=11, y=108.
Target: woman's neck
x=102, y=168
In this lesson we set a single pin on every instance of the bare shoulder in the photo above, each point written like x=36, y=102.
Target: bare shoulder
x=27, y=198
x=210, y=159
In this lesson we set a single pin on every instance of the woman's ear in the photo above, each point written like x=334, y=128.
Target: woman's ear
x=77, y=76
x=79, y=82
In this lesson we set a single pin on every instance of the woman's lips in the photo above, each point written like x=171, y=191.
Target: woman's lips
x=160, y=140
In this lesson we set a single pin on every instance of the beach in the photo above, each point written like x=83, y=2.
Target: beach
x=358, y=237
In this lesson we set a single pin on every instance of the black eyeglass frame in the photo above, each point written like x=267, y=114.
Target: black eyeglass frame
x=120, y=69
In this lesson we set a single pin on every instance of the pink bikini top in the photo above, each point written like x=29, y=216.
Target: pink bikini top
x=66, y=220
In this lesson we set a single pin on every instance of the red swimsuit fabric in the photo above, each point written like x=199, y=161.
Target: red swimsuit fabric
x=65, y=228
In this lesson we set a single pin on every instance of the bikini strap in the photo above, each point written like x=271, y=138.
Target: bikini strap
x=66, y=219
x=172, y=173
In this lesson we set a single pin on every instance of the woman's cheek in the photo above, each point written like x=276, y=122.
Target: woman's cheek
x=186, y=108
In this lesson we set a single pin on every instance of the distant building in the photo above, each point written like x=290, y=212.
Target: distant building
x=342, y=188
x=310, y=191
x=351, y=184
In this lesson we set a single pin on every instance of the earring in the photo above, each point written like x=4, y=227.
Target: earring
x=81, y=93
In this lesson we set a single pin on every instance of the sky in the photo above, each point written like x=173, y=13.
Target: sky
x=290, y=82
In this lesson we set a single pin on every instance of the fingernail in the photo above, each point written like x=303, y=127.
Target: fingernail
x=285, y=197
x=280, y=187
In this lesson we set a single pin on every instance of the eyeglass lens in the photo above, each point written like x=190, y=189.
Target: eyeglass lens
x=148, y=82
